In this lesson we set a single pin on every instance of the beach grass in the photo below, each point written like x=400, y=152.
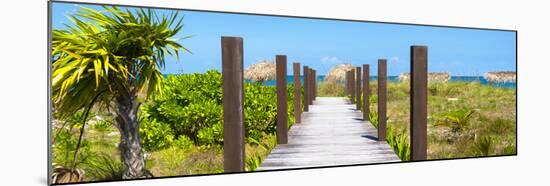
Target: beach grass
x=465, y=119
x=330, y=89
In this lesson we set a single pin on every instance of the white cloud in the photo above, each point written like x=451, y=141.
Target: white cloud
x=331, y=60
x=394, y=59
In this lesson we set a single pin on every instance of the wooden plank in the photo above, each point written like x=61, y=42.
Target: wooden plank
x=306, y=86
x=233, y=97
x=297, y=96
x=382, y=81
x=331, y=134
x=358, y=88
x=366, y=101
x=419, y=102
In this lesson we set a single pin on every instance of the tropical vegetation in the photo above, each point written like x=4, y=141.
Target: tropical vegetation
x=465, y=119
x=117, y=116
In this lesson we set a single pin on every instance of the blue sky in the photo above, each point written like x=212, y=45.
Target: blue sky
x=322, y=44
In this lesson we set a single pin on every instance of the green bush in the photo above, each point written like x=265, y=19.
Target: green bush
x=155, y=135
x=212, y=135
x=191, y=105
x=188, y=104
x=196, y=117
x=458, y=120
x=183, y=142
x=260, y=110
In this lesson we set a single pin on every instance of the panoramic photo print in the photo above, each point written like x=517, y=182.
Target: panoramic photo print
x=141, y=93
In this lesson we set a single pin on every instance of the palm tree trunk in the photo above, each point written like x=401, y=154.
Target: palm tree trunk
x=130, y=141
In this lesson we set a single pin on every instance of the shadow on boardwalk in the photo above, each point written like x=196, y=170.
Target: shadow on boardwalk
x=331, y=133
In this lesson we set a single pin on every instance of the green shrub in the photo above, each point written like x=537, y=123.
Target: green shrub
x=191, y=105
x=155, y=135
x=457, y=120
x=212, y=135
x=183, y=142
x=260, y=110
x=196, y=117
x=102, y=126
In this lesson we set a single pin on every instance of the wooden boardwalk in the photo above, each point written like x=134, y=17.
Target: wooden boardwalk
x=331, y=133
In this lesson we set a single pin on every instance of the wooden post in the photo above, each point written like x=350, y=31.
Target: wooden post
x=352, y=85
x=346, y=83
x=358, y=88
x=382, y=78
x=313, y=83
x=233, y=97
x=316, y=83
x=282, y=100
x=306, y=85
x=297, y=96
x=310, y=86
x=419, y=102
x=314, y=92
x=366, y=103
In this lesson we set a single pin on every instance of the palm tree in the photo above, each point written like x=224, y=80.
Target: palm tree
x=112, y=59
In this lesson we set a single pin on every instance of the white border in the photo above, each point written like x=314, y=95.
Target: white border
x=23, y=96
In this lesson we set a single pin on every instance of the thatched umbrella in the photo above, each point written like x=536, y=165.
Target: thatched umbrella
x=338, y=72
x=436, y=77
x=500, y=77
x=261, y=72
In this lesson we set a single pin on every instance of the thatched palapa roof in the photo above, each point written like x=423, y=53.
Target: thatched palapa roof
x=501, y=76
x=338, y=72
x=261, y=71
x=436, y=77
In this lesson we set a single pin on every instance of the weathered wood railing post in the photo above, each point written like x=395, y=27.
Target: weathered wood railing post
x=233, y=97
x=358, y=88
x=282, y=100
x=349, y=82
x=306, y=87
x=314, y=84
x=297, y=96
x=419, y=102
x=346, y=83
x=366, y=103
x=311, y=86
x=352, y=85
x=382, y=80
